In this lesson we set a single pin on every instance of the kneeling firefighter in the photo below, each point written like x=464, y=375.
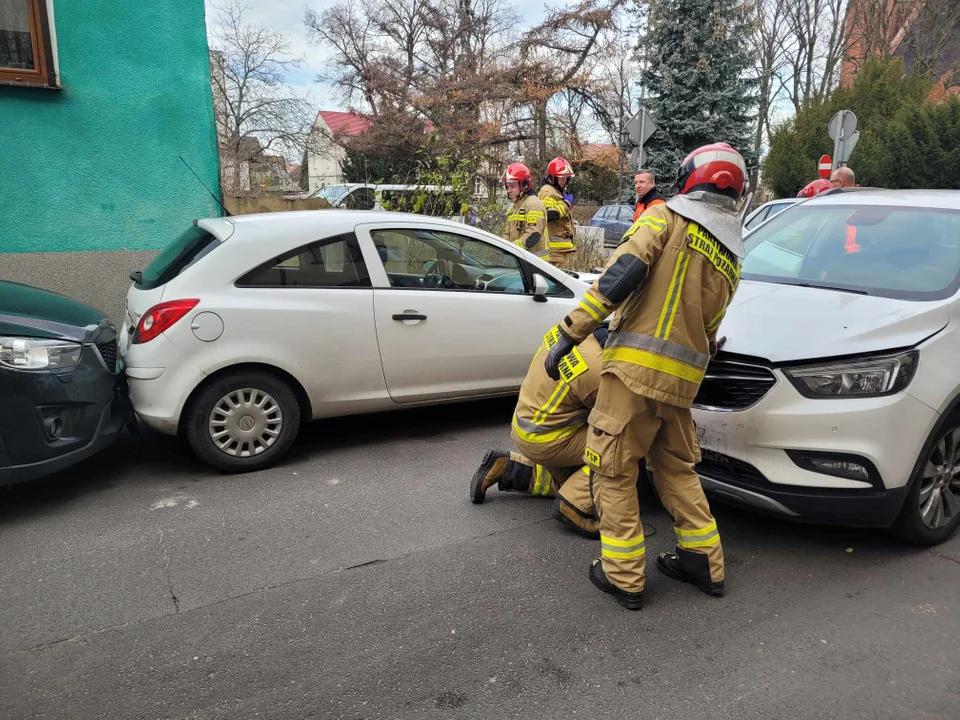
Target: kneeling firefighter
x=550, y=430
x=558, y=200
x=670, y=282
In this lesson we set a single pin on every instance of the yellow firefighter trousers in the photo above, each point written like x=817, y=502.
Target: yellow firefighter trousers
x=626, y=427
x=552, y=463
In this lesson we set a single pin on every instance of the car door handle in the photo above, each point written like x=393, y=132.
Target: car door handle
x=409, y=316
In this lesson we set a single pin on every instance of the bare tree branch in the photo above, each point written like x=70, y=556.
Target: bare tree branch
x=253, y=108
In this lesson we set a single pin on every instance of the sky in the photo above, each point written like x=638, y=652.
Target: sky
x=287, y=16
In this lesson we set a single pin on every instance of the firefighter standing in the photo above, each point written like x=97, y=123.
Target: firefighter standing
x=670, y=282
x=558, y=201
x=550, y=429
x=645, y=185
x=527, y=219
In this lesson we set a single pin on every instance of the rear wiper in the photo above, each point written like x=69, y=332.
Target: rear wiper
x=137, y=276
x=831, y=287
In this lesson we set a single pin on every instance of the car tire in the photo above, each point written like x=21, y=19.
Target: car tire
x=243, y=421
x=910, y=525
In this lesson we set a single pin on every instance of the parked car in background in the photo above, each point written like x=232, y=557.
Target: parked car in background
x=836, y=395
x=436, y=199
x=615, y=221
x=766, y=212
x=244, y=326
x=60, y=384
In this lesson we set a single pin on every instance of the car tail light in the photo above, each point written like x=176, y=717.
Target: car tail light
x=160, y=318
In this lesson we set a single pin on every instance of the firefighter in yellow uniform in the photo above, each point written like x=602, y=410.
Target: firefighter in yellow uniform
x=670, y=282
x=558, y=201
x=550, y=430
x=527, y=219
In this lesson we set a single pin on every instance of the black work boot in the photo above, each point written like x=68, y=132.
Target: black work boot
x=571, y=516
x=689, y=567
x=630, y=600
x=489, y=472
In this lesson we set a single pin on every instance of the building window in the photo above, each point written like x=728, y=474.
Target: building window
x=26, y=48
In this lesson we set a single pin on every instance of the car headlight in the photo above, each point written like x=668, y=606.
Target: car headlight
x=867, y=377
x=34, y=354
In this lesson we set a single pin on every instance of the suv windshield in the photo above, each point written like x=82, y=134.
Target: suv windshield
x=898, y=252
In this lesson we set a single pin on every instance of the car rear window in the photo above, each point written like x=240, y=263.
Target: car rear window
x=176, y=257
x=910, y=253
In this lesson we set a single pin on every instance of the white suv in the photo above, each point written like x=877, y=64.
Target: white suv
x=835, y=395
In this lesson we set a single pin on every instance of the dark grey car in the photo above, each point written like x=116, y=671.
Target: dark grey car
x=615, y=221
x=62, y=395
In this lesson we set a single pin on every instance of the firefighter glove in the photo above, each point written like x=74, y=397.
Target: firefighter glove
x=568, y=197
x=561, y=347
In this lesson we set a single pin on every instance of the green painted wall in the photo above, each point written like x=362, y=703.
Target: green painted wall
x=96, y=166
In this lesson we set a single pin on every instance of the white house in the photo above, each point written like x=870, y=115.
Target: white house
x=324, y=155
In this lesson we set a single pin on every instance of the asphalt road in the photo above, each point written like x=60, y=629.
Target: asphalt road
x=357, y=581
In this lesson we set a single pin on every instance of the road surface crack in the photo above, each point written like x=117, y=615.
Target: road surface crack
x=82, y=637
x=947, y=557
x=166, y=573
x=364, y=564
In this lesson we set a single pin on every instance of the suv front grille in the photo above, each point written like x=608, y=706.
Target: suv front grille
x=734, y=384
x=725, y=468
x=108, y=353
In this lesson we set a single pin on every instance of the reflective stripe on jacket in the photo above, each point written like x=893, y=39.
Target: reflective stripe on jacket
x=670, y=282
x=560, y=227
x=549, y=410
x=527, y=225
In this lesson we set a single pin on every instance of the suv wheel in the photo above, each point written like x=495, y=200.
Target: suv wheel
x=931, y=511
x=243, y=421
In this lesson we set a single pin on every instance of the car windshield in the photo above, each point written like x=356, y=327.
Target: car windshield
x=909, y=253
x=332, y=192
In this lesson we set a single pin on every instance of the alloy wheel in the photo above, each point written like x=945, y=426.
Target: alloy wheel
x=245, y=422
x=940, y=483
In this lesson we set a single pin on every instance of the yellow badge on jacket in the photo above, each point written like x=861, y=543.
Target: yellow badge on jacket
x=592, y=457
x=703, y=242
x=552, y=337
x=572, y=365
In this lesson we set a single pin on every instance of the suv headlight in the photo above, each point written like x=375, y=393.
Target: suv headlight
x=33, y=354
x=868, y=377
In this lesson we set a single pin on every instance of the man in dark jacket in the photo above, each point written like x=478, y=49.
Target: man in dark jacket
x=647, y=194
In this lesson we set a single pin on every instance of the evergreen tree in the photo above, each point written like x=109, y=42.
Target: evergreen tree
x=305, y=171
x=698, y=78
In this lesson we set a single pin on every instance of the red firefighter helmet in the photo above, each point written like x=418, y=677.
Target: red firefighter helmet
x=558, y=168
x=815, y=188
x=519, y=173
x=716, y=168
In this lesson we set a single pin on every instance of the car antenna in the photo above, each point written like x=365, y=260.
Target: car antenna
x=215, y=198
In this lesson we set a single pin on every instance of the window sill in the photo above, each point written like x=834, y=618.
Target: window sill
x=36, y=84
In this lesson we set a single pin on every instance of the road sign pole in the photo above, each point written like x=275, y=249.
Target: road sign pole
x=843, y=129
x=837, y=143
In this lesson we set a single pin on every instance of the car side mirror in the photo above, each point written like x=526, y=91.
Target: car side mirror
x=540, y=288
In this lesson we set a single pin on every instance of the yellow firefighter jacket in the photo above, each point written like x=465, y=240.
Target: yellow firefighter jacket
x=527, y=225
x=559, y=222
x=670, y=282
x=549, y=410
